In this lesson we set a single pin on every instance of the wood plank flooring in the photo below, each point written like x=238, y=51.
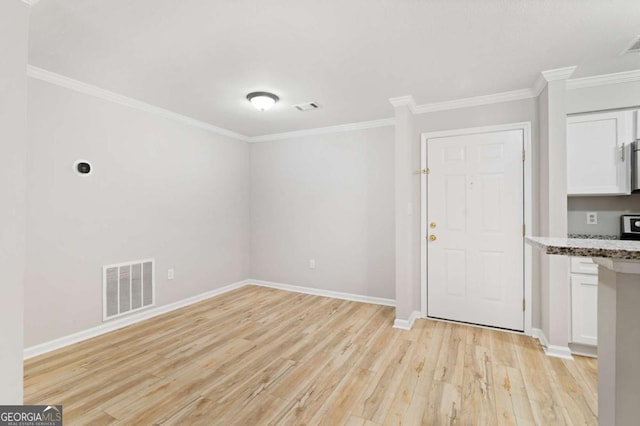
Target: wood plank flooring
x=258, y=356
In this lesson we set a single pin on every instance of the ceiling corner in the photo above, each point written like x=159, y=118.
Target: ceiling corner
x=539, y=85
x=404, y=101
x=558, y=73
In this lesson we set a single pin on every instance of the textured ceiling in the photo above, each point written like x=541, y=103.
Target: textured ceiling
x=201, y=57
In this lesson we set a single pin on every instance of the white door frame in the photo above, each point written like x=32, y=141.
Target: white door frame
x=528, y=209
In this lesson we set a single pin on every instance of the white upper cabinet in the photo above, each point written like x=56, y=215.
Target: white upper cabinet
x=598, y=161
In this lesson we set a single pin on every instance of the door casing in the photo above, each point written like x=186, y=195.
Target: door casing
x=528, y=209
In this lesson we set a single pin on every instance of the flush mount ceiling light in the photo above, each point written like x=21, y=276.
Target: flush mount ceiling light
x=262, y=100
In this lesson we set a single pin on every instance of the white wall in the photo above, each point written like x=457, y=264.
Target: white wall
x=329, y=198
x=160, y=189
x=14, y=25
x=543, y=208
x=485, y=115
x=554, y=280
x=610, y=96
x=407, y=300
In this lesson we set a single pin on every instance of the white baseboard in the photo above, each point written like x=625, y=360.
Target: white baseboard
x=325, y=293
x=124, y=321
x=551, y=350
x=408, y=323
x=107, y=327
x=584, y=350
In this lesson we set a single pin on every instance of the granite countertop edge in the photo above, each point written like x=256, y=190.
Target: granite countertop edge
x=612, y=249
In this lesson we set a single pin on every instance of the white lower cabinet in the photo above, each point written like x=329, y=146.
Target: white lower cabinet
x=584, y=301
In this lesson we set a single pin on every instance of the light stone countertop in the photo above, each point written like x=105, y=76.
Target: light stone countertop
x=612, y=249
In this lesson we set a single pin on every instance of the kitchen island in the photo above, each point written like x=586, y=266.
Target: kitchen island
x=618, y=321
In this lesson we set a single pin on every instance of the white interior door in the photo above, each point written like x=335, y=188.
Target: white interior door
x=475, y=215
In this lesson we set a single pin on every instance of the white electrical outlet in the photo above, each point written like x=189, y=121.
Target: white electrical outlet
x=592, y=218
x=312, y=264
x=170, y=274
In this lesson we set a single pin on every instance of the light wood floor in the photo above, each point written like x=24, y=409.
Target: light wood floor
x=260, y=356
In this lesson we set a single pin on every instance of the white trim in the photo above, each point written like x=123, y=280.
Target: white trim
x=107, y=327
x=525, y=125
x=539, y=85
x=514, y=95
x=423, y=227
x=603, y=80
x=325, y=293
x=551, y=350
x=558, y=73
x=88, y=89
x=486, y=327
x=324, y=130
x=529, y=205
x=408, y=323
x=583, y=350
x=528, y=209
x=404, y=101
x=116, y=324
x=30, y=2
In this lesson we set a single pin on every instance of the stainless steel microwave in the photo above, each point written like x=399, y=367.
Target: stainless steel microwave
x=635, y=166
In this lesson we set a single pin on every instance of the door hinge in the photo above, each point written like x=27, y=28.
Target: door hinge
x=425, y=171
x=523, y=305
x=524, y=230
x=523, y=154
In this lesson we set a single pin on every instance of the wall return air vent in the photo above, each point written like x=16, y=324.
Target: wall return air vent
x=307, y=106
x=127, y=287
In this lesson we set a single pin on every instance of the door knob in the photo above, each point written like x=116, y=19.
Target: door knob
x=432, y=225
x=432, y=237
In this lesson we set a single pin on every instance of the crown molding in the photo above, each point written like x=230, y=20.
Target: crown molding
x=404, y=101
x=604, y=79
x=88, y=89
x=385, y=122
x=539, y=85
x=558, y=73
x=514, y=95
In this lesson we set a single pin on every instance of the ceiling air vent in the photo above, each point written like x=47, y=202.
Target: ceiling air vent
x=634, y=47
x=307, y=106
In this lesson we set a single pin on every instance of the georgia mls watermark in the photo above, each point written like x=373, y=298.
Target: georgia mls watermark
x=30, y=415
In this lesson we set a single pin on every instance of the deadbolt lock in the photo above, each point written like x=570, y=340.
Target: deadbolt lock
x=432, y=225
x=432, y=237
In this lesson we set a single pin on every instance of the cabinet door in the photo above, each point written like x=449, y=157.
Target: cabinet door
x=597, y=163
x=584, y=309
